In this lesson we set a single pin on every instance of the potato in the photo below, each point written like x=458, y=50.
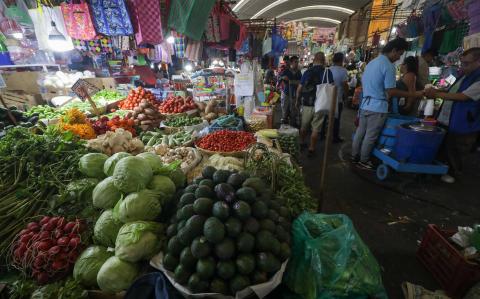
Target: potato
x=149, y=111
x=142, y=117
x=138, y=110
x=201, y=106
x=146, y=122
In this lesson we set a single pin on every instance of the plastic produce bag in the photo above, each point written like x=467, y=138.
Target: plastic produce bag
x=329, y=260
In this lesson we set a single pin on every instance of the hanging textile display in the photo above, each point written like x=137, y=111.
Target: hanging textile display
x=163, y=53
x=193, y=51
x=190, y=16
x=19, y=13
x=78, y=20
x=42, y=22
x=473, y=13
x=96, y=46
x=179, y=45
x=111, y=17
x=146, y=21
x=212, y=31
x=431, y=16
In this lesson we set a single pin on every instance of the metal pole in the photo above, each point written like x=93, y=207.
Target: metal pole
x=331, y=121
x=391, y=26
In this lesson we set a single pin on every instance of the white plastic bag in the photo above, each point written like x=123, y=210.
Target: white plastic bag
x=325, y=94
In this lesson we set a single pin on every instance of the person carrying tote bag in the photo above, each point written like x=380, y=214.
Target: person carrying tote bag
x=78, y=20
x=325, y=94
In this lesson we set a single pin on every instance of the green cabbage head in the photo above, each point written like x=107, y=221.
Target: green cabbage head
x=88, y=264
x=178, y=178
x=116, y=275
x=139, y=240
x=132, y=174
x=163, y=184
x=105, y=195
x=109, y=165
x=91, y=165
x=142, y=205
x=106, y=229
x=153, y=160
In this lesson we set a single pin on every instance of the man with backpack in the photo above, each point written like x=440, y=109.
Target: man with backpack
x=306, y=95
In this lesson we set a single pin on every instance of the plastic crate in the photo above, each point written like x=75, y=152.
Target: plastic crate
x=454, y=273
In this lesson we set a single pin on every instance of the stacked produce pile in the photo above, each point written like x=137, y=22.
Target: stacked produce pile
x=76, y=122
x=228, y=233
x=23, y=119
x=226, y=141
x=174, y=105
x=105, y=124
x=183, y=121
x=289, y=144
x=44, y=112
x=135, y=97
x=147, y=116
x=115, y=142
x=161, y=142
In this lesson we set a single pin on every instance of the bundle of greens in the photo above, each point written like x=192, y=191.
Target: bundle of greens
x=34, y=166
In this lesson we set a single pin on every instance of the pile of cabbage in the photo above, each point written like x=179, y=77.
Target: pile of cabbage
x=132, y=192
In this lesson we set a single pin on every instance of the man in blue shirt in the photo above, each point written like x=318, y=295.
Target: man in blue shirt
x=379, y=84
x=306, y=95
x=290, y=78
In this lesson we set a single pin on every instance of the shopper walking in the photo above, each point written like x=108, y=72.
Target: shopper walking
x=460, y=113
x=290, y=78
x=306, y=95
x=378, y=82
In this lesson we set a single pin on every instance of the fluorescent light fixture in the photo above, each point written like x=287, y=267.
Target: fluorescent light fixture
x=394, y=30
x=318, y=7
x=267, y=8
x=17, y=35
x=188, y=67
x=239, y=5
x=57, y=41
x=170, y=39
x=309, y=53
x=383, y=42
x=328, y=20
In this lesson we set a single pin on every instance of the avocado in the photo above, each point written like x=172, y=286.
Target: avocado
x=191, y=188
x=195, y=224
x=259, y=210
x=203, y=191
x=233, y=226
x=171, y=230
x=273, y=215
x=197, y=180
x=267, y=262
x=242, y=210
x=207, y=182
x=236, y=180
x=187, y=198
x=220, y=176
x=225, y=192
x=256, y=184
x=263, y=241
x=226, y=269
x=274, y=205
x=244, y=174
x=185, y=236
x=225, y=249
x=203, y=206
x=283, y=212
x=170, y=262
x=267, y=224
x=245, y=263
x=280, y=233
x=206, y=267
x=218, y=286
x=196, y=284
x=259, y=277
x=208, y=172
x=275, y=247
x=181, y=224
x=266, y=195
x=285, y=252
x=245, y=242
x=186, y=212
x=178, y=178
x=214, y=230
x=221, y=210
x=181, y=274
x=187, y=259
x=251, y=225
x=200, y=247
x=174, y=246
x=238, y=283
x=246, y=194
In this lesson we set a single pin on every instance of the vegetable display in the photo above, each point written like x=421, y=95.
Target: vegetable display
x=46, y=250
x=189, y=157
x=226, y=141
x=116, y=275
x=22, y=119
x=177, y=105
x=228, y=233
x=289, y=144
x=147, y=116
x=182, y=121
x=135, y=97
x=43, y=112
x=76, y=122
x=115, y=142
x=154, y=139
x=88, y=264
x=105, y=124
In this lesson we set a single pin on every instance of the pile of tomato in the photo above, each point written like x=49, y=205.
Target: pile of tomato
x=226, y=141
x=135, y=97
x=47, y=250
x=104, y=124
x=177, y=105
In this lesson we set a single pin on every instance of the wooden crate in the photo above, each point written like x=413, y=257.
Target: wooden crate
x=21, y=100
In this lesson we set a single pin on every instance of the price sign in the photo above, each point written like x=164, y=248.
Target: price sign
x=83, y=89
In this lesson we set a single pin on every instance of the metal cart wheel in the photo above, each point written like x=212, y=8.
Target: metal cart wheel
x=383, y=172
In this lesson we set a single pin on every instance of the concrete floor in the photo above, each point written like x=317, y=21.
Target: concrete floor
x=372, y=205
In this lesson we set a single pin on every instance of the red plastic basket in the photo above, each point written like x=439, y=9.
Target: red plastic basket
x=454, y=273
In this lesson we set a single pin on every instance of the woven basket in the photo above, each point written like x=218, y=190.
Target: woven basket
x=238, y=154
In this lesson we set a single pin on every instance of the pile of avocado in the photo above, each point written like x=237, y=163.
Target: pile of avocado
x=229, y=232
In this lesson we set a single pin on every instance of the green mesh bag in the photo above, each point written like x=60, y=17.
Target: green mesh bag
x=189, y=17
x=329, y=260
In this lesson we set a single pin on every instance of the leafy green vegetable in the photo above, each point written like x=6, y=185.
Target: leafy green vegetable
x=164, y=185
x=91, y=165
x=106, y=229
x=142, y=205
x=105, y=194
x=138, y=240
x=116, y=275
x=132, y=174
x=109, y=165
x=153, y=160
x=88, y=264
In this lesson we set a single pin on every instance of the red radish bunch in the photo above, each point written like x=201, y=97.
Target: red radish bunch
x=49, y=248
x=177, y=105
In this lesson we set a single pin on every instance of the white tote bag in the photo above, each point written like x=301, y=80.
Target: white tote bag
x=325, y=94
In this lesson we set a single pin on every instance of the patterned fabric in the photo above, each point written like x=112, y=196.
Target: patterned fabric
x=194, y=50
x=179, y=45
x=96, y=46
x=111, y=17
x=457, y=10
x=146, y=21
x=473, y=12
x=212, y=32
x=78, y=20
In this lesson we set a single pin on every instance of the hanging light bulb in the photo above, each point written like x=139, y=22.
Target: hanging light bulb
x=188, y=68
x=170, y=39
x=221, y=63
x=57, y=40
x=383, y=42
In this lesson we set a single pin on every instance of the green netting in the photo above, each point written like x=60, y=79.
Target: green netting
x=190, y=17
x=329, y=260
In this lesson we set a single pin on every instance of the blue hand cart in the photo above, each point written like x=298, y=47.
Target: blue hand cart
x=406, y=156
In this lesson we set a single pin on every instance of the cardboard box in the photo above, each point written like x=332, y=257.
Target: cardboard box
x=21, y=100
x=24, y=81
x=103, y=83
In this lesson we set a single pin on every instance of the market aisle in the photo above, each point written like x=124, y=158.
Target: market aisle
x=372, y=206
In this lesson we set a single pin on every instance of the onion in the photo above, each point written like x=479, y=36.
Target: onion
x=44, y=235
x=59, y=264
x=58, y=233
x=74, y=242
x=43, y=245
x=69, y=226
x=48, y=226
x=33, y=226
x=44, y=220
x=24, y=231
x=63, y=241
x=61, y=223
x=54, y=250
